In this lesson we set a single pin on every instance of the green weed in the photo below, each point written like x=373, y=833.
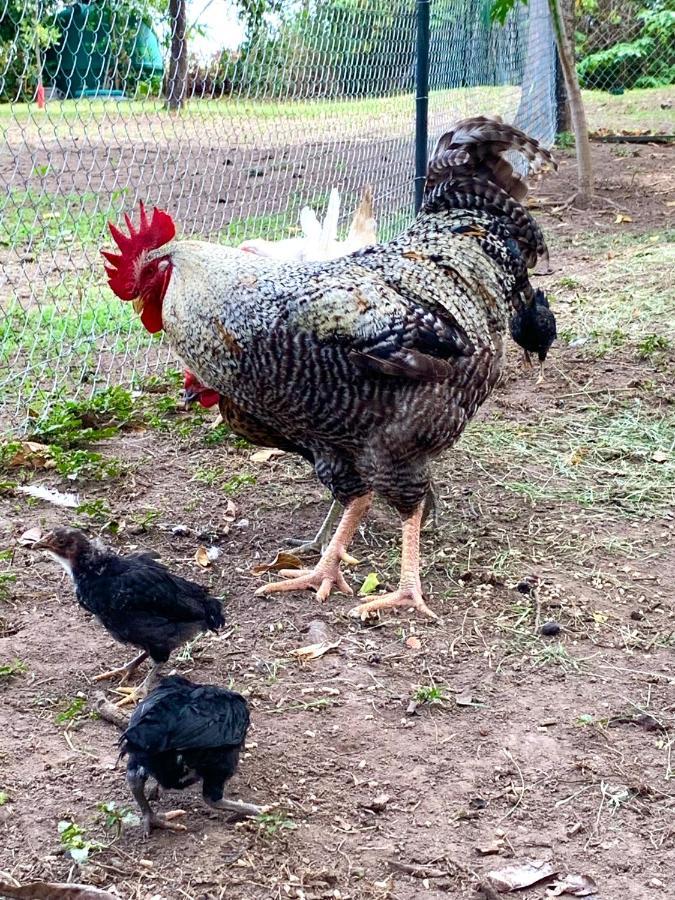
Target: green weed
x=271, y=824
x=74, y=840
x=12, y=669
x=429, y=693
x=237, y=481
x=72, y=712
x=115, y=817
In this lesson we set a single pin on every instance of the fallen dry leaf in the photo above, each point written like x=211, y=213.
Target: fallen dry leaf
x=464, y=699
x=314, y=651
x=490, y=849
x=576, y=885
x=265, y=455
x=33, y=455
x=30, y=537
x=521, y=875
x=282, y=560
x=375, y=804
x=659, y=456
x=51, y=890
x=230, y=511
x=204, y=557
x=620, y=219
x=413, y=642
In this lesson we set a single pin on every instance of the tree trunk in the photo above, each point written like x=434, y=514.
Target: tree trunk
x=176, y=85
x=584, y=193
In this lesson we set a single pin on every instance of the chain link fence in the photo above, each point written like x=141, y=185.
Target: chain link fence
x=625, y=44
x=108, y=102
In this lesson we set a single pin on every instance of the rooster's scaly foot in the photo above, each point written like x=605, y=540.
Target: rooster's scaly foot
x=323, y=578
x=406, y=597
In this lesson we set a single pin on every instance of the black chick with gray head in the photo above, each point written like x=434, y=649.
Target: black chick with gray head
x=183, y=733
x=533, y=327
x=136, y=598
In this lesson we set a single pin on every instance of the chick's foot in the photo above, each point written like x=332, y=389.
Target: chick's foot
x=165, y=821
x=124, y=672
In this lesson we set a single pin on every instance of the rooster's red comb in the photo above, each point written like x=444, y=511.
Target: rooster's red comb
x=151, y=234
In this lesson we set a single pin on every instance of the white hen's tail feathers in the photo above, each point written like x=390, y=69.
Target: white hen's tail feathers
x=319, y=240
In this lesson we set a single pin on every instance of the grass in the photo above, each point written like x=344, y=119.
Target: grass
x=611, y=460
x=430, y=694
x=627, y=302
x=12, y=669
x=633, y=110
x=39, y=218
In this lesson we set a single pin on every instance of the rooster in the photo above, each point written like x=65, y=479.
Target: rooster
x=372, y=363
x=319, y=241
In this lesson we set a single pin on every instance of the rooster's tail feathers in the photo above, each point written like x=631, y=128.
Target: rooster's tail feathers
x=475, y=147
x=468, y=171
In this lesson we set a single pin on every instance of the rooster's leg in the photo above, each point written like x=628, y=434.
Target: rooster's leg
x=409, y=593
x=320, y=542
x=326, y=574
x=124, y=671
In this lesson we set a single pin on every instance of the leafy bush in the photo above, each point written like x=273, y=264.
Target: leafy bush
x=646, y=61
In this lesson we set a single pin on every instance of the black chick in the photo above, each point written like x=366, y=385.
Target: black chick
x=533, y=327
x=136, y=598
x=183, y=733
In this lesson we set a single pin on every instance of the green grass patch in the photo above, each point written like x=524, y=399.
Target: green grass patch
x=620, y=458
x=628, y=302
x=43, y=220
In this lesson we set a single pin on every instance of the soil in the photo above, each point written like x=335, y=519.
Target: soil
x=534, y=747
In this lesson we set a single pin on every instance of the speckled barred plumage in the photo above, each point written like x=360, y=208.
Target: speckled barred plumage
x=371, y=364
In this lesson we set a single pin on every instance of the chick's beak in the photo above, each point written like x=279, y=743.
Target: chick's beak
x=44, y=543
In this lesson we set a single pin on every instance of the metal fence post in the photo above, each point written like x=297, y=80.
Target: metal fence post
x=421, y=99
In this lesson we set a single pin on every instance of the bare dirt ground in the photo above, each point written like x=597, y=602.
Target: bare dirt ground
x=419, y=755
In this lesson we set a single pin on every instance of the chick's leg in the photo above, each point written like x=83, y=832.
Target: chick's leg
x=319, y=543
x=136, y=780
x=125, y=671
x=136, y=694
x=409, y=593
x=326, y=574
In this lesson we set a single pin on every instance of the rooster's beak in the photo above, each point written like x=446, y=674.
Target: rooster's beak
x=137, y=305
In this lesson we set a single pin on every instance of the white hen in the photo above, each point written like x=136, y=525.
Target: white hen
x=319, y=240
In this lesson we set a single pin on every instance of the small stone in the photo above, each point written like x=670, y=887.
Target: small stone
x=637, y=615
x=550, y=629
